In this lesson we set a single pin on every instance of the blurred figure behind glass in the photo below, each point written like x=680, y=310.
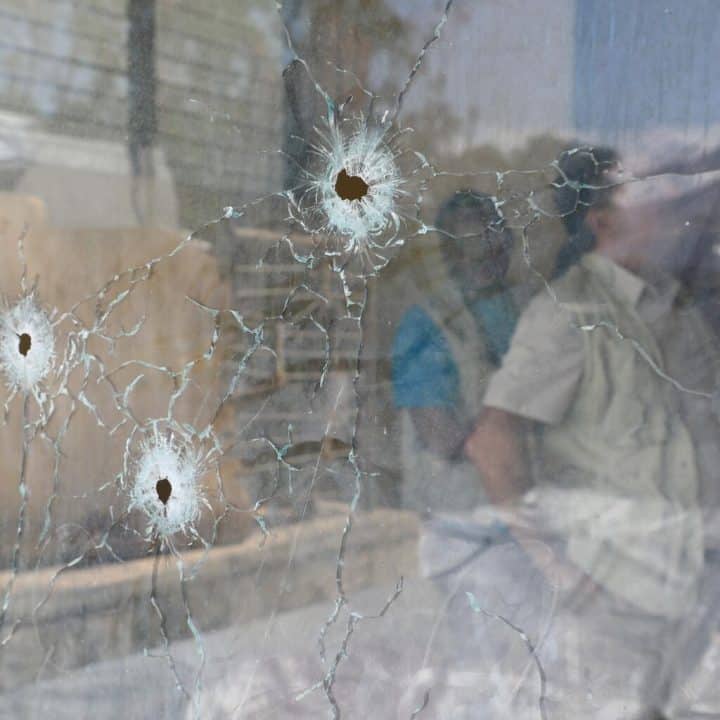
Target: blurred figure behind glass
x=445, y=347
x=595, y=375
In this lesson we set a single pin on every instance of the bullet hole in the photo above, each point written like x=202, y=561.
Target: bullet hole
x=164, y=489
x=24, y=344
x=350, y=187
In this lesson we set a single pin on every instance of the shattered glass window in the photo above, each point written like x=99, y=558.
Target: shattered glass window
x=359, y=358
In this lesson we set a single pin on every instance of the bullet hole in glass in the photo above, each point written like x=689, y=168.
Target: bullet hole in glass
x=24, y=344
x=164, y=489
x=350, y=187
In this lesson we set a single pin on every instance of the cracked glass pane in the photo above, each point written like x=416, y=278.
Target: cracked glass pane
x=359, y=358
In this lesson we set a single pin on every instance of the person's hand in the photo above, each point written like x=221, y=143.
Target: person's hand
x=557, y=570
x=567, y=577
x=576, y=587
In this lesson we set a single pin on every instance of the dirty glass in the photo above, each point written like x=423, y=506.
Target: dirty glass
x=358, y=359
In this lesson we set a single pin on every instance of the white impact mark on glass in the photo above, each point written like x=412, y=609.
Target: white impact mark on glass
x=167, y=487
x=354, y=189
x=27, y=345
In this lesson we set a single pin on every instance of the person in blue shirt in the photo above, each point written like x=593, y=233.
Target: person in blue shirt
x=445, y=347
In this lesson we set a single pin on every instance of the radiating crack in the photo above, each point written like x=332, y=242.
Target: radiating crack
x=477, y=608
x=357, y=202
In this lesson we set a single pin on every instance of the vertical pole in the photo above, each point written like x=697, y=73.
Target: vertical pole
x=142, y=117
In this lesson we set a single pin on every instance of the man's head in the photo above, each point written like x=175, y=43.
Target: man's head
x=585, y=193
x=474, y=241
x=585, y=183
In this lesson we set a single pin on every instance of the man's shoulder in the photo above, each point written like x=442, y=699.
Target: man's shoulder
x=570, y=294
x=571, y=286
x=552, y=317
x=574, y=284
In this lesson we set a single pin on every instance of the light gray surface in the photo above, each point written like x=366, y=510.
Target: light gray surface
x=471, y=662
x=279, y=653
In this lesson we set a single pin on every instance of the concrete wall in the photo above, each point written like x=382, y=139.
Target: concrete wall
x=72, y=618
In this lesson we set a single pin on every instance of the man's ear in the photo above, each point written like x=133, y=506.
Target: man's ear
x=597, y=220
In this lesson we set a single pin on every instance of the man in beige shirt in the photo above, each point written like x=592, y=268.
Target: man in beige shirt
x=587, y=438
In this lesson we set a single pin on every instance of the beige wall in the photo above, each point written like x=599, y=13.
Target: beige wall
x=72, y=265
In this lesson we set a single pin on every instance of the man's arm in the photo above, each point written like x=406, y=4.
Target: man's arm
x=497, y=447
